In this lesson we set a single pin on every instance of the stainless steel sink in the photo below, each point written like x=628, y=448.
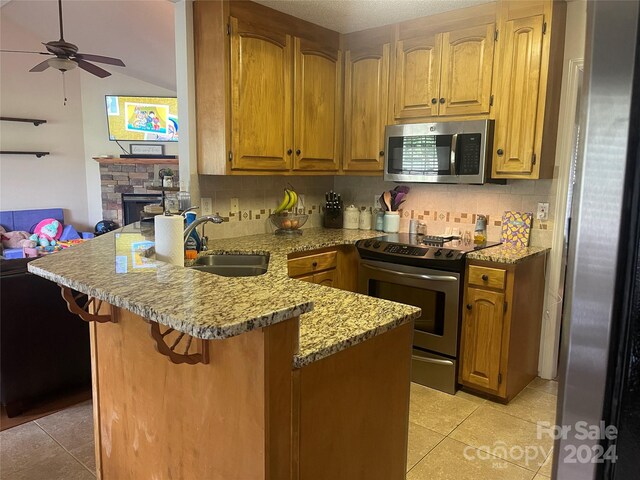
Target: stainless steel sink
x=233, y=265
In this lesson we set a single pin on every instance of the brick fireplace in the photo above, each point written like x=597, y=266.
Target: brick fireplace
x=128, y=175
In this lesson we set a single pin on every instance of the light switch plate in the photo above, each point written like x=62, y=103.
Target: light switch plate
x=206, y=206
x=543, y=211
x=234, y=207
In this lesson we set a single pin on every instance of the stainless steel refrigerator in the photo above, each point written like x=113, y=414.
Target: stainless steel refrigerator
x=599, y=397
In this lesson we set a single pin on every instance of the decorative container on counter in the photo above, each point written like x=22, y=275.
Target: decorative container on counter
x=379, y=226
x=351, y=217
x=391, y=222
x=364, y=222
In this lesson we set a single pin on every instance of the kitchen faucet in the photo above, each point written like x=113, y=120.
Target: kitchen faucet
x=201, y=221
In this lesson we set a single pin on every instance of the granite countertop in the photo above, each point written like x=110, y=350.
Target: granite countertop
x=506, y=254
x=213, y=307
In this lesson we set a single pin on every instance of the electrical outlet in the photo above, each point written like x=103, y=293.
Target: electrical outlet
x=235, y=205
x=543, y=211
x=206, y=206
x=376, y=201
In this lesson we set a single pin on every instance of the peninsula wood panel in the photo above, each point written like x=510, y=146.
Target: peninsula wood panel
x=352, y=421
x=261, y=98
x=188, y=421
x=467, y=66
x=318, y=92
x=518, y=97
x=482, y=331
x=365, y=109
x=417, y=76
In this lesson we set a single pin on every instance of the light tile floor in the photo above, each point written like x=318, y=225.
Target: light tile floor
x=461, y=437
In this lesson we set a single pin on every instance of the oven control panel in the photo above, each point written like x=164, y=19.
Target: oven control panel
x=392, y=250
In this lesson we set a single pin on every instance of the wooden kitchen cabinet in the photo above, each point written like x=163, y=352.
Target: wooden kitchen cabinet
x=440, y=72
x=261, y=98
x=318, y=100
x=366, y=90
x=268, y=92
x=332, y=267
x=527, y=88
x=501, y=326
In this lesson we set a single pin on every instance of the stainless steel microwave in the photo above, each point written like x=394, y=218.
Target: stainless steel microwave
x=441, y=152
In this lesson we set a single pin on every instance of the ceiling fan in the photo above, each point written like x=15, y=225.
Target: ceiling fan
x=65, y=56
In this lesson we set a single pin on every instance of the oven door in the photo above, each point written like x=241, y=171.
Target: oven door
x=436, y=292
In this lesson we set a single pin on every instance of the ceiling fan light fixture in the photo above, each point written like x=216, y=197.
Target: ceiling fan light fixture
x=62, y=64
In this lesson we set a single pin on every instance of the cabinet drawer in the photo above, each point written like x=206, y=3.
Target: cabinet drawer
x=487, y=277
x=312, y=263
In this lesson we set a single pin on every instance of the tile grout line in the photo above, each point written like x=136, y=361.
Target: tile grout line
x=425, y=455
x=64, y=448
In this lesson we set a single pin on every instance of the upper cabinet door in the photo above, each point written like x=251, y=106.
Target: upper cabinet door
x=517, y=98
x=261, y=98
x=417, y=77
x=318, y=92
x=365, y=109
x=467, y=64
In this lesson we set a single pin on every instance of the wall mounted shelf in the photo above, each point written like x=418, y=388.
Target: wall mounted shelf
x=37, y=154
x=35, y=121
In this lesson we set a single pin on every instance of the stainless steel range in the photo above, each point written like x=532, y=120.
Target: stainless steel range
x=426, y=272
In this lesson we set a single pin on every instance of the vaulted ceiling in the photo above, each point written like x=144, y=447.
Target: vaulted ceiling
x=140, y=32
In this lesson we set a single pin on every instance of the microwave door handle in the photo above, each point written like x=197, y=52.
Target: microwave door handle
x=439, y=278
x=454, y=143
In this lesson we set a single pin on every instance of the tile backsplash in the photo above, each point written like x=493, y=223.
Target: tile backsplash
x=257, y=197
x=456, y=206
x=439, y=206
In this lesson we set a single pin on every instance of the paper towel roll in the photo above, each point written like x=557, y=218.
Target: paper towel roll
x=169, y=239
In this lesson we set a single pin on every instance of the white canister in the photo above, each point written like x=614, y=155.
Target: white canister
x=351, y=217
x=365, y=219
x=391, y=223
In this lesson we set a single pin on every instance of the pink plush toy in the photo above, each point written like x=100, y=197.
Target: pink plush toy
x=16, y=239
x=47, y=232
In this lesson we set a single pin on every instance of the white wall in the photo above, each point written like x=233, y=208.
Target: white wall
x=57, y=180
x=96, y=134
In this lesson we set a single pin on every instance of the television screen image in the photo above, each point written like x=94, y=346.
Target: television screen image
x=142, y=118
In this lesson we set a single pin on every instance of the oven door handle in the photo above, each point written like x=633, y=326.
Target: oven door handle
x=431, y=360
x=439, y=278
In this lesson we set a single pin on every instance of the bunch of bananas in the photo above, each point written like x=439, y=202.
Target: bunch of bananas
x=289, y=201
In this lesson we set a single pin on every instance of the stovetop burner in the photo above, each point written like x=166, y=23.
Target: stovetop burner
x=418, y=250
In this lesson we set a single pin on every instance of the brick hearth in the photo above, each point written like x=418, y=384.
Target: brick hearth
x=117, y=177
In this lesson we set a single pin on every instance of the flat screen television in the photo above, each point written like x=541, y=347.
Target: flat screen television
x=145, y=119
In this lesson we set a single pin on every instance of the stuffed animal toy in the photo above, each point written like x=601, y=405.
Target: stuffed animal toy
x=47, y=233
x=16, y=239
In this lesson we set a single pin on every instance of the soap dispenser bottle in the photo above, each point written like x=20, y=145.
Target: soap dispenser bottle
x=193, y=242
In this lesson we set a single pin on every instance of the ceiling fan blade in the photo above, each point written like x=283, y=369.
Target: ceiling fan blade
x=41, y=67
x=91, y=68
x=25, y=51
x=100, y=59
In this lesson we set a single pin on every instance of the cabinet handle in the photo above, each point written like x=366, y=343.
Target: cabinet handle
x=500, y=152
x=289, y=152
x=298, y=152
x=485, y=277
x=434, y=100
x=381, y=152
x=314, y=264
x=442, y=100
x=469, y=306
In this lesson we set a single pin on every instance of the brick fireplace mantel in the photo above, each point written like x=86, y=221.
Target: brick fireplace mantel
x=128, y=175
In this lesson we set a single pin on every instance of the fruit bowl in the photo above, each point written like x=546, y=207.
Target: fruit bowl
x=287, y=222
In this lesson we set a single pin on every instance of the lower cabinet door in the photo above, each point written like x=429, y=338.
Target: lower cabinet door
x=482, y=338
x=326, y=278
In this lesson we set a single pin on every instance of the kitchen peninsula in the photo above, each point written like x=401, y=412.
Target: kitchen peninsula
x=201, y=376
